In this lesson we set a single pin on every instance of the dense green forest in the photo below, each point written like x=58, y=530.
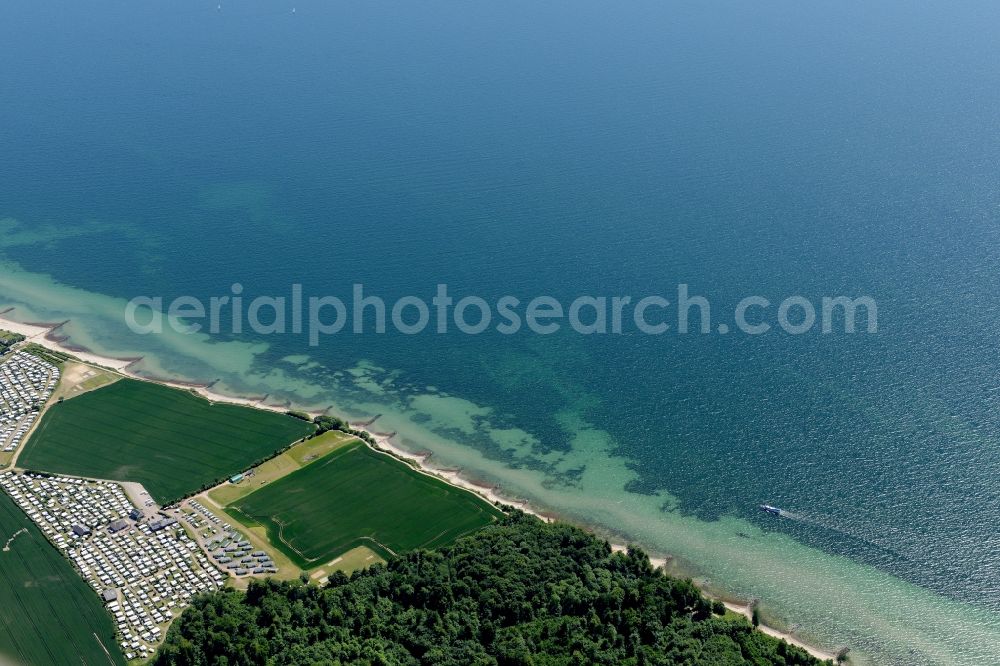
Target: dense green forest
x=520, y=592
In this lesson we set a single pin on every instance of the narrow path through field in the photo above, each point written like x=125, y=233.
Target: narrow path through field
x=6, y=546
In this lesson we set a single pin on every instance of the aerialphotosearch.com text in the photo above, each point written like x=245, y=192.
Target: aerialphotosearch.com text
x=319, y=316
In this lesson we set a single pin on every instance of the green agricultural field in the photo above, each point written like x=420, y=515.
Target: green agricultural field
x=171, y=441
x=356, y=496
x=49, y=614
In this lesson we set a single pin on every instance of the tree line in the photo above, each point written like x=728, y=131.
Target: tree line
x=522, y=592
x=8, y=340
x=327, y=423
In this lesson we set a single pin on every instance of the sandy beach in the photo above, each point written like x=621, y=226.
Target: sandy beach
x=43, y=335
x=40, y=335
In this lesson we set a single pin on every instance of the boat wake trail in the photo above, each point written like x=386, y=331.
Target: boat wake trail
x=883, y=545
x=830, y=524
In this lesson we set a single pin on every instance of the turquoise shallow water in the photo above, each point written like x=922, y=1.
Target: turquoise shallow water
x=570, y=149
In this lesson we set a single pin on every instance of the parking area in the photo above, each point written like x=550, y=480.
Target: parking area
x=26, y=383
x=146, y=568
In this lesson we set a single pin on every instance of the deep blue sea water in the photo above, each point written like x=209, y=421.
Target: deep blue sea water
x=571, y=148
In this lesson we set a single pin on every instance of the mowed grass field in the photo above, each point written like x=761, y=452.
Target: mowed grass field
x=354, y=497
x=49, y=614
x=170, y=440
x=296, y=457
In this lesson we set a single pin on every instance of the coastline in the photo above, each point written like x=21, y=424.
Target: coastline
x=43, y=335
